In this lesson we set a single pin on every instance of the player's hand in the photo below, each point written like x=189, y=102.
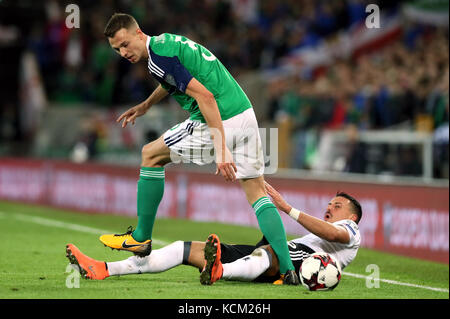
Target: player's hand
x=277, y=199
x=226, y=166
x=131, y=115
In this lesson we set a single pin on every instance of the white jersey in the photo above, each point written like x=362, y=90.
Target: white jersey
x=343, y=253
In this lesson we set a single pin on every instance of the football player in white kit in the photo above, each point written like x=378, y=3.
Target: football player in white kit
x=337, y=234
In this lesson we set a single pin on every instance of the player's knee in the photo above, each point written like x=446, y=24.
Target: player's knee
x=263, y=253
x=258, y=252
x=155, y=154
x=149, y=154
x=148, y=150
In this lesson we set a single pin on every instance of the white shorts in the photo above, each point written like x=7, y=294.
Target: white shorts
x=190, y=141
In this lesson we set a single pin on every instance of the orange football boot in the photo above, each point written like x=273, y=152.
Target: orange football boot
x=213, y=269
x=89, y=268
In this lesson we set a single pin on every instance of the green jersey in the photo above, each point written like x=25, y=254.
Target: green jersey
x=174, y=60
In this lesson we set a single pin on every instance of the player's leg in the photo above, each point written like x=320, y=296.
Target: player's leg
x=274, y=268
x=165, y=258
x=150, y=190
x=159, y=260
x=229, y=253
x=269, y=221
x=249, y=159
x=184, y=141
x=249, y=267
x=243, y=267
x=262, y=265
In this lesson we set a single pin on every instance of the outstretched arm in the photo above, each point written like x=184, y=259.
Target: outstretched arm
x=318, y=227
x=130, y=115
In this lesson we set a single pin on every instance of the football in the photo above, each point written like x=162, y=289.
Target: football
x=320, y=271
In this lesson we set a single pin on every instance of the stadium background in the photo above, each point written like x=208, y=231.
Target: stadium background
x=357, y=109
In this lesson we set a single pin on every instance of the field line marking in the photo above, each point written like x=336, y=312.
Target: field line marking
x=394, y=282
x=71, y=226
x=59, y=224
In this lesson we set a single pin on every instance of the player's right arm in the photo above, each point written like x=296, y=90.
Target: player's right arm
x=318, y=227
x=130, y=115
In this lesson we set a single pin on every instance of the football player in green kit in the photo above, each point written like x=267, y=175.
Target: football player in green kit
x=221, y=118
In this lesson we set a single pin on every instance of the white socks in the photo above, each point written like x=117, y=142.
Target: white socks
x=159, y=260
x=247, y=268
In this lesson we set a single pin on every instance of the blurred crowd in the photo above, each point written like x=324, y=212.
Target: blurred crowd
x=79, y=66
x=393, y=85
x=404, y=85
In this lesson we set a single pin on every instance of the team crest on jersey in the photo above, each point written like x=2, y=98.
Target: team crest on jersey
x=170, y=79
x=160, y=38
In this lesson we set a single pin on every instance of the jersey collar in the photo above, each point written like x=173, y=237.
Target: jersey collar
x=147, y=44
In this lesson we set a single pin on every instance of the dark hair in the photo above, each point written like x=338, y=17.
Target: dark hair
x=117, y=22
x=356, y=206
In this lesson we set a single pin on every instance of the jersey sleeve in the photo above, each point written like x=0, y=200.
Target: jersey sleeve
x=170, y=70
x=353, y=231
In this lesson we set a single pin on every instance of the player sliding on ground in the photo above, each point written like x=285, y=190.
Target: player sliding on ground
x=221, y=118
x=337, y=235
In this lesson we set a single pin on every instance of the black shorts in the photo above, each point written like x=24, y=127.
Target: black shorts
x=231, y=253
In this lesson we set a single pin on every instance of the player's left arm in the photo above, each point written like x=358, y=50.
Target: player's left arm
x=323, y=229
x=318, y=227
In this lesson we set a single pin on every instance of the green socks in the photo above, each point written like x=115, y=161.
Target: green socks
x=150, y=191
x=272, y=227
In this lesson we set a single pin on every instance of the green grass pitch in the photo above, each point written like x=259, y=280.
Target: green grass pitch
x=33, y=263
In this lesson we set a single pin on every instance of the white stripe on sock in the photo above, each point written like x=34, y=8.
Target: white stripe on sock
x=261, y=203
